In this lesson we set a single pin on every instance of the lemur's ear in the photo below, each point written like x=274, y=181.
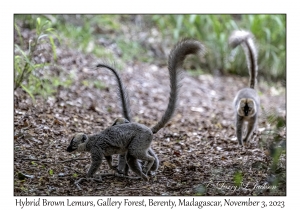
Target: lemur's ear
x=115, y=122
x=120, y=121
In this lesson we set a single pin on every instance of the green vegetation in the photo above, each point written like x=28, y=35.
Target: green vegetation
x=214, y=30
x=274, y=139
x=238, y=178
x=50, y=172
x=25, y=67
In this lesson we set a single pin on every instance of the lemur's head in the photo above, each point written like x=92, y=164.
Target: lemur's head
x=246, y=107
x=78, y=142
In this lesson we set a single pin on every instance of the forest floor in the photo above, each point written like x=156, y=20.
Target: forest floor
x=198, y=151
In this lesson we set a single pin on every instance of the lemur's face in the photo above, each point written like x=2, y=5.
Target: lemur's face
x=76, y=141
x=246, y=107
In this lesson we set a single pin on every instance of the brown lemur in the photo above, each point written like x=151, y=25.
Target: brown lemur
x=246, y=102
x=122, y=166
x=133, y=139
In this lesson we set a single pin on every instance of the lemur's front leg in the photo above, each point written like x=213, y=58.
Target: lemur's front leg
x=96, y=162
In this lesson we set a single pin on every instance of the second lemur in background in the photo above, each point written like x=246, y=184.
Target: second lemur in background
x=246, y=101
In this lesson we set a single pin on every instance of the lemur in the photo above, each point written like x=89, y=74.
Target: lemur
x=134, y=139
x=246, y=102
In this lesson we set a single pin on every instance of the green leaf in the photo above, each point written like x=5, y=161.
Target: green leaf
x=238, y=178
x=38, y=26
x=18, y=64
x=38, y=21
x=51, y=172
x=50, y=30
x=53, y=48
x=24, y=55
x=42, y=36
x=40, y=65
x=28, y=91
x=19, y=34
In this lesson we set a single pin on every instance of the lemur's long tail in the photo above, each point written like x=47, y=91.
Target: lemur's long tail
x=176, y=59
x=246, y=39
x=126, y=111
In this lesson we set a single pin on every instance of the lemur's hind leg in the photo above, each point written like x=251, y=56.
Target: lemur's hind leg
x=122, y=165
x=239, y=124
x=109, y=161
x=138, y=150
x=250, y=128
x=156, y=161
x=135, y=166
